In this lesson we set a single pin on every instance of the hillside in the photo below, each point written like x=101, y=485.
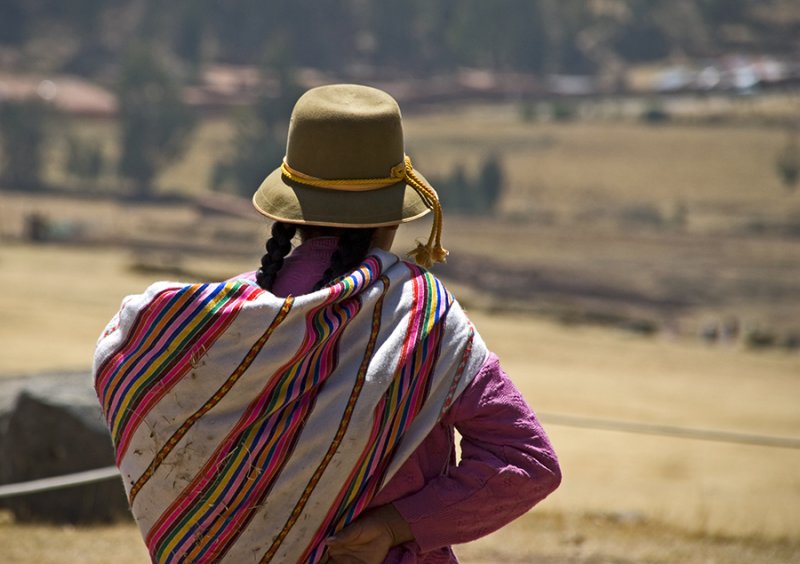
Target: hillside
x=352, y=37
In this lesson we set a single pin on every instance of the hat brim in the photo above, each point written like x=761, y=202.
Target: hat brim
x=281, y=199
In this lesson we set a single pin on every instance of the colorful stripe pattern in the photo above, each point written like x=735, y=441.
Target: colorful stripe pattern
x=154, y=357
x=213, y=401
x=340, y=432
x=396, y=409
x=205, y=518
x=176, y=338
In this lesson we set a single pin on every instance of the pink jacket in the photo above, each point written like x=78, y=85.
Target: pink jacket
x=507, y=462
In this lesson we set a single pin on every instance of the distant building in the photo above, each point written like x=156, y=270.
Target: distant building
x=69, y=94
x=738, y=73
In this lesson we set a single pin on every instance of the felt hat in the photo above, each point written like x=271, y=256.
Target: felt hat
x=345, y=166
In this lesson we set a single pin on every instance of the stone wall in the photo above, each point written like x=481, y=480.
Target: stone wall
x=51, y=425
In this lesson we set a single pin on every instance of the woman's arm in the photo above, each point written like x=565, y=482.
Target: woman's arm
x=507, y=466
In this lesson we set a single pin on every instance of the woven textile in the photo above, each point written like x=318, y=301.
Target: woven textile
x=248, y=428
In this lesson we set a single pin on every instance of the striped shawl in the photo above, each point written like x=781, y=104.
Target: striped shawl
x=248, y=428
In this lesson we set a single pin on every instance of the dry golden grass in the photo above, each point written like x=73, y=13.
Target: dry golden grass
x=537, y=538
x=571, y=187
x=211, y=142
x=625, y=498
x=703, y=486
x=42, y=544
x=563, y=169
x=60, y=297
x=570, y=168
x=546, y=538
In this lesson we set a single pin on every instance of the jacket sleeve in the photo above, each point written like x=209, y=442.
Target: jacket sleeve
x=507, y=466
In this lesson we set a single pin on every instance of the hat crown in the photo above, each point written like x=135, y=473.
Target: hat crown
x=345, y=131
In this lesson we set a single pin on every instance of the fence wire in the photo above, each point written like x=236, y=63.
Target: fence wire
x=669, y=431
x=111, y=472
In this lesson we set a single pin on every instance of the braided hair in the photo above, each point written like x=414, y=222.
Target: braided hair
x=351, y=250
x=278, y=246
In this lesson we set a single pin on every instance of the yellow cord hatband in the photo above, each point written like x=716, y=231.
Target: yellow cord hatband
x=424, y=255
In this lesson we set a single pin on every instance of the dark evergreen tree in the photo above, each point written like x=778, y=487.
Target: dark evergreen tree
x=260, y=140
x=480, y=195
x=191, y=33
x=13, y=22
x=788, y=162
x=491, y=182
x=23, y=133
x=155, y=124
x=85, y=159
x=415, y=37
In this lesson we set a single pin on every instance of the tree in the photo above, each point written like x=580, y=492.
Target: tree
x=455, y=190
x=788, y=162
x=13, y=22
x=85, y=159
x=155, y=123
x=501, y=35
x=461, y=194
x=260, y=139
x=23, y=131
x=491, y=182
x=255, y=149
x=191, y=33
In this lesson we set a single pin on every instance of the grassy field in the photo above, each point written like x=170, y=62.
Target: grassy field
x=565, y=233
x=537, y=538
x=680, y=213
x=655, y=489
x=558, y=170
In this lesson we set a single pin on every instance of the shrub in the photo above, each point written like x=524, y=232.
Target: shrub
x=462, y=194
x=761, y=339
x=655, y=114
x=642, y=215
x=23, y=133
x=788, y=163
x=564, y=111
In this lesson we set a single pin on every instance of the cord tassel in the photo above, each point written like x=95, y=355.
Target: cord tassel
x=424, y=254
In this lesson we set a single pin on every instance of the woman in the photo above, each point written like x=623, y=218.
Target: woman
x=305, y=412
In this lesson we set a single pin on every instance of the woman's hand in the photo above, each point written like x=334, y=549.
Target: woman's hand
x=367, y=540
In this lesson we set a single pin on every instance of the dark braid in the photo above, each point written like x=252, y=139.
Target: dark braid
x=352, y=249
x=278, y=246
